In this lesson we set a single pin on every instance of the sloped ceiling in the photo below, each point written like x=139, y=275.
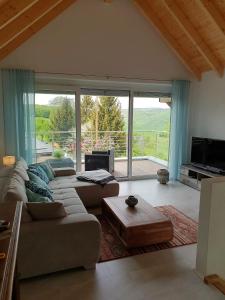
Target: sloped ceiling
x=195, y=29
x=20, y=19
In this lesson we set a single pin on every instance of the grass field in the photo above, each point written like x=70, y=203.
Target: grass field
x=149, y=119
x=150, y=132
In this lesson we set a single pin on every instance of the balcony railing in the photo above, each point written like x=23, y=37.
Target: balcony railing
x=148, y=143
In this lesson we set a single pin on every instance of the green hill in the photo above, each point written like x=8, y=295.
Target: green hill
x=149, y=119
x=43, y=111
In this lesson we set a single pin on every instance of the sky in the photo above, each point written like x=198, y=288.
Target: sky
x=44, y=99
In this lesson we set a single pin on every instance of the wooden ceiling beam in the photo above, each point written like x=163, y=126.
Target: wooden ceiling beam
x=215, y=15
x=151, y=15
x=194, y=36
x=12, y=8
x=24, y=20
x=2, y=2
x=35, y=27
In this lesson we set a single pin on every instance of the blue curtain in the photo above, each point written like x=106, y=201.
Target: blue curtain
x=178, y=134
x=18, y=94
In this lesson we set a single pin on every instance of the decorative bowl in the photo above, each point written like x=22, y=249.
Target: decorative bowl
x=131, y=201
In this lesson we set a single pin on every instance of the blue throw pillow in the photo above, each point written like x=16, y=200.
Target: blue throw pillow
x=34, y=187
x=34, y=197
x=36, y=179
x=48, y=170
x=37, y=170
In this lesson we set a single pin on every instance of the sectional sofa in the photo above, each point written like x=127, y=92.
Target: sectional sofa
x=55, y=244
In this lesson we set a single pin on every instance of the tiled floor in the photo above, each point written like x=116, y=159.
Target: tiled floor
x=179, y=195
x=166, y=274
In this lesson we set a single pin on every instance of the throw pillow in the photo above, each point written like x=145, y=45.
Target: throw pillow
x=34, y=197
x=46, y=211
x=34, y=187
x=23, y=162
x=48, y=170
x=19, y=169
x=38, y=171
x=36, y=179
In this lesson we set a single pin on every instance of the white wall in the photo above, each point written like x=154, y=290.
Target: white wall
x=207, y=107
x=92, y=37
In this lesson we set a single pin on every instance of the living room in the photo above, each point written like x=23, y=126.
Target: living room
x=115, y=54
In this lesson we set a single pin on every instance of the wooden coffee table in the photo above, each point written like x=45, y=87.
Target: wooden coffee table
x=139, y=226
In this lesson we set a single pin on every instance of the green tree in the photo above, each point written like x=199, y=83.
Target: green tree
x=87, y=106
x=110, y=117
x=62, y=118
x=42, y=129
x=108, y=123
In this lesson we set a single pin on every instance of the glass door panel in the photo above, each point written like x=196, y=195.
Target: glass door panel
x=104, y=127
x=55, y=126
x=150, y=142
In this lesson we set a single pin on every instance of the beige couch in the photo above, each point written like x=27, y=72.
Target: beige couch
x=52, y=245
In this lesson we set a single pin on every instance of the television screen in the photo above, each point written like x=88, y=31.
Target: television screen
x=216, y=154
x=208, y=153
x=198, y=150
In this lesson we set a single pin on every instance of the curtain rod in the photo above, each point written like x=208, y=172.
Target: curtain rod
x=106, y=77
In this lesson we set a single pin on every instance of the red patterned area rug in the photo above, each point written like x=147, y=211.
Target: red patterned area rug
x=185, y=233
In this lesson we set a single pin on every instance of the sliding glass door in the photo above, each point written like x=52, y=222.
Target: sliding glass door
x=104, y=128
x=132, y=129
x=150, y=140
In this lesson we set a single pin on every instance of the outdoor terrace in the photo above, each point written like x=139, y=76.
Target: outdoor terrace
x=150, y=148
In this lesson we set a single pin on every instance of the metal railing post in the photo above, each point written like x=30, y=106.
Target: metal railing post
x=130, y=134
x=78, y=130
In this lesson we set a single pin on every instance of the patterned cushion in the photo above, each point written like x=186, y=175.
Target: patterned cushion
x=34, y=187
x=38, y=171
x=36, y=179
x=48, y=170
x=34, y=197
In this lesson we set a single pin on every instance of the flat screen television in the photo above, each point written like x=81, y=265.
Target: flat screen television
x=208, y=154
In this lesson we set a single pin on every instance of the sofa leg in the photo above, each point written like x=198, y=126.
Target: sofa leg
x=90, y=266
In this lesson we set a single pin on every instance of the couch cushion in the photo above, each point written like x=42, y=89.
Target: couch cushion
x=63, y=182
x=35, y=178
x=70, y=200
x=48, y=170
x=23, y=163
x=34, y=197
x=46, y=211
x=20, y=169
x=37, y=170
x=34, y=187
x=75, y=209
x=90, y=193
x=16, y=192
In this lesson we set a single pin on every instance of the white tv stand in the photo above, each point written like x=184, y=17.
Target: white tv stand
x=192, y=176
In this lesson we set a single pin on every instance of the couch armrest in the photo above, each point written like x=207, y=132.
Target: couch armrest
x=67, y=171
x=60, y=244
